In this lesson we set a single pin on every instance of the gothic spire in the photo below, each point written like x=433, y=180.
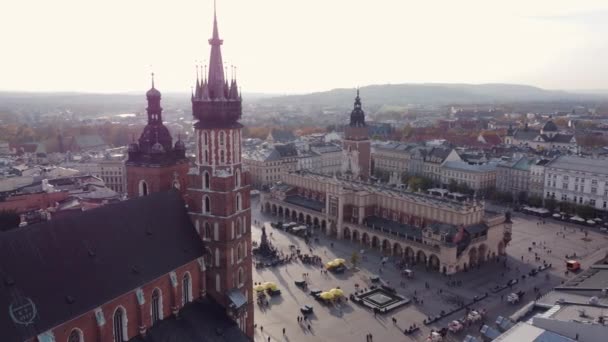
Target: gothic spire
x=216, y=68
x=357, y=116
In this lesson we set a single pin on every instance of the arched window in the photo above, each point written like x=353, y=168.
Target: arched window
x=222, y=138
x=206, y=180
x=206, y=138
x=75, y=336
x=208, y=233
x=239, y=252
x=238, y=202
x=206, y=156
x=222, y=156
x=241, y=277
x=120, y=325
x=186, y=289
x=143, y=188
x=206, y=205
x=217, y=257
x=238, y=178
x=218, y=283
x=197, y=226
x=156, y=306
x=239, y=226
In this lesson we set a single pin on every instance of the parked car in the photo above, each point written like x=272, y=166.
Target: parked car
x=306, y=309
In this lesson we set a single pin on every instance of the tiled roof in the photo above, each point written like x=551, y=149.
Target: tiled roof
x=71, y=265
x=574, y=163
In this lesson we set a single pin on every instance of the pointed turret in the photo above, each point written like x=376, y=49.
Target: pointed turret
x=216, y=69
x=357, y=116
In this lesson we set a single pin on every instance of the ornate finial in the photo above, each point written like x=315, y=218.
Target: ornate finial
x=197, y=74
x=205, y=73
x=152, y=74
x=235, y=72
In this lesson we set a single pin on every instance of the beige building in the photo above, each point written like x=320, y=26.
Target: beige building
x=110, y=169
x=445, y=235
x=477, y=177
x=513, y=176
x=391, y=157
x=267, y=163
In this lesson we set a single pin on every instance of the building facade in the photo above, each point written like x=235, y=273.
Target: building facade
x=392, y=157
x=267, y=163
x=447, y=236
x=154, y=163
x=219, y=189
x=514, y=176
x=583, y=181
x=476, y=177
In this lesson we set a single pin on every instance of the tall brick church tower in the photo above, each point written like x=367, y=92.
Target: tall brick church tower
x=154, y=163
x=218, y=189
x=356, y=162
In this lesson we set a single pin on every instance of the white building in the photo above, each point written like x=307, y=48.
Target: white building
x=578, y=180
x=476, y=177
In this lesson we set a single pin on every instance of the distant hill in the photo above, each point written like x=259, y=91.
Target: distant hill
x=432, y=93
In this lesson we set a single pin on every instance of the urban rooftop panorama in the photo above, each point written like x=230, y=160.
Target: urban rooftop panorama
x=399, y=170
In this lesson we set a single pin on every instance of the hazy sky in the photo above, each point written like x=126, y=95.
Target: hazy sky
x=303, y=45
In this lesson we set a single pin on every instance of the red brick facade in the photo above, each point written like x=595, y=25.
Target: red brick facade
x=138, y=316
x=156, y=178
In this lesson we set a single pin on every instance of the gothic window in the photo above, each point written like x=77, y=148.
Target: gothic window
x=222, y=157
x=143, y=188
x=120, y=325
x=238, y=178
x=75, y=336
x=239, y=252
x=186, y=289
x=207, y=235
x=217, y=257
x=241, y=277
x=155, y=306
x=218, y=284
x=239, y=226
x=206, y=138
x=206, y=156
x=206, y=205
x=222, y=138
x=197, y=226
x=206, y=180
x=238, y=202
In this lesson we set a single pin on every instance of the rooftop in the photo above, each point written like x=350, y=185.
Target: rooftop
x=599, y=166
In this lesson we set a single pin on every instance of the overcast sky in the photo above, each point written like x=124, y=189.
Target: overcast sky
x=286, y=46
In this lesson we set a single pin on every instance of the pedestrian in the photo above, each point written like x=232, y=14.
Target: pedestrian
x=283, y=331
x=268, y=338
x=261, y=328
x=309, y=327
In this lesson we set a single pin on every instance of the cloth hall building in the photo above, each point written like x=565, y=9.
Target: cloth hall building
x=446, y=235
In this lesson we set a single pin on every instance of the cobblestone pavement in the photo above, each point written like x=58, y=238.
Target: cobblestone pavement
x=351, y=322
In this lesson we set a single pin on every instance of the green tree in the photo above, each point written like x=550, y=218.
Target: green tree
x=522, y=197
x=550, y=204
x=452, y=186
x=9, y=220
x=354, y=258
x=585, y=211
x=535, y=201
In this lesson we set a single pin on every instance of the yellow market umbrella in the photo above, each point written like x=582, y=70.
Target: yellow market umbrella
x=336, y=292
x=331, y=264
x=259, y=288
x=339, y=261
x=270, y=285
x=326, y=295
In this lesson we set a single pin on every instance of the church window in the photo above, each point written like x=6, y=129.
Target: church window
x=120, y=325
x=143, y=188
x=218, y=283
x=75, y=336
x=241, y=277
x=222, y=157
x=238, y=202
x=217, y=257
x=222, y=138
x=206, y=205
x=206, y=180
x=239, y=226
x=186, y=289
x=238, y=178
x=206, y=156
x=206, y=138
x=207, y=235
x=156, y=306
x=239, y=252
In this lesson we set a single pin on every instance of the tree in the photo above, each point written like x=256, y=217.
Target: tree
x=522, y=197
x=535, y=201
x=453, y=186
x=585, y=211
x=354, y=258
x=550, y=204
x=9, y=220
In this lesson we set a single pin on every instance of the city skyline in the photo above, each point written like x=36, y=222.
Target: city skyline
x=113, y=48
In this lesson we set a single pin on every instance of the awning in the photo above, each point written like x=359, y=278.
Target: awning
x=237, y=299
